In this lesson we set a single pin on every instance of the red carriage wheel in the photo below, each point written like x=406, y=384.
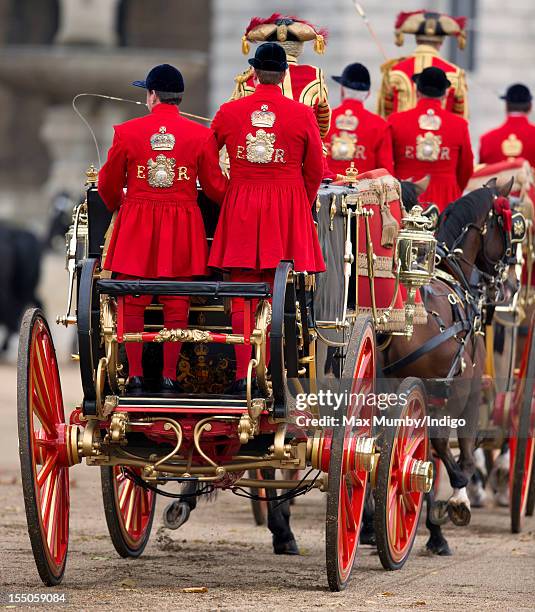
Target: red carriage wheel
x=129, y=510
x=43, y=460
x=403, y=475
x=521, y=442
x=346, y=490
x=259, y=506
x=530, y=504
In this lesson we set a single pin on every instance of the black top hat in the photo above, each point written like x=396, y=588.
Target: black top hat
x=269, y=56
x=517, y=94
x=431, y=82
x=163, y=78
x=355, y=76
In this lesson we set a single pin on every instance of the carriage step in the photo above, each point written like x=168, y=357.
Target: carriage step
x=182, y=402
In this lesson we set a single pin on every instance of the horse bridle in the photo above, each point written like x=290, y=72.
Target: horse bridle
x=477, y=273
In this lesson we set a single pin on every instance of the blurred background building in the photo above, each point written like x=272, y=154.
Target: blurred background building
x=54, y=49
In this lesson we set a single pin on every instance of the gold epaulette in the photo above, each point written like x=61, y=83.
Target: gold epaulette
x=240, y=80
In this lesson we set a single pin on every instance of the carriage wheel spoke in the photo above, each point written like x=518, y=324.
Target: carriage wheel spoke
x=349, y=510
x=40, y=410
x=46, y=469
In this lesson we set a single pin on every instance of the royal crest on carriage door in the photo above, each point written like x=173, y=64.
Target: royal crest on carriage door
x=428, y=147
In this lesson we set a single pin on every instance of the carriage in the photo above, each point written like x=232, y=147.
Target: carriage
x=507, y=416
x=323, y=334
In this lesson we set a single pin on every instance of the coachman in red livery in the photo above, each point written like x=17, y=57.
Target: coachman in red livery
x=429, y=140
x=356, y=135
x=276, y=163
x=515, y=138
x=159, y=231
x=398, y=92
x=302, y=82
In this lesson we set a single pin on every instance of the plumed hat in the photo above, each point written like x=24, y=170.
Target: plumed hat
x=433, y=26
x=280, y=28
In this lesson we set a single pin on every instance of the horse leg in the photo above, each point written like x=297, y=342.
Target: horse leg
x=458, y=504
x=278, y=520
x=437, y=543
x=367, y=531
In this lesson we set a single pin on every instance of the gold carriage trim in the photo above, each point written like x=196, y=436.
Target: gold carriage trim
x=368, y=191
x=396, y=320
x=382, y=266
x=182, y=335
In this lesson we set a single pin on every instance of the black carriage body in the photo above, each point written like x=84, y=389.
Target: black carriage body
x=329, y=292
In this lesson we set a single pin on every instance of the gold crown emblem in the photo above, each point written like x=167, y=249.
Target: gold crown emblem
x=263, y=117
x=347, y=122
x=161, y=141
x=201, y=349
x=512, y=146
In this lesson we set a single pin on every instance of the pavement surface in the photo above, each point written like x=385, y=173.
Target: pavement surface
x=220, y=548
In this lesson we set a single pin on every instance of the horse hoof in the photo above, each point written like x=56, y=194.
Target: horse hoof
x=477, y=494
x=368, y=538
x=176, y=514
x=438, y=546
x=459, y=514
x=286, y=548
x=438, y=514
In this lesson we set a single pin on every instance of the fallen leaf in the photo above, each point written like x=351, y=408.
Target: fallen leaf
x=128, y=583
x=98, y=558
x=387, y=594
x=194, y=590
x=420, y=603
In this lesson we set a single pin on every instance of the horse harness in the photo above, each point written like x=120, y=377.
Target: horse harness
x=466, y=297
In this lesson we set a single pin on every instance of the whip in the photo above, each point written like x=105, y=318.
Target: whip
x=116, y=99
x=367, y=23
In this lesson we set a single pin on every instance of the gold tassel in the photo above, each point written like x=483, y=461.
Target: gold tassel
x=319, y=44
x=398, y=38
x=461, y=39
x=245, y=45
x=390, y=228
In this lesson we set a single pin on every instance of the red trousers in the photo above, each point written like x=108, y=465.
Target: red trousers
x=175, y=315
x=243, y=351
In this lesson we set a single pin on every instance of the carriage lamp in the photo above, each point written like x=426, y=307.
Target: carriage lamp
x=414, y=260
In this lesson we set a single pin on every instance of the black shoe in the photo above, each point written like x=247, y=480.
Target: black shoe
x=134, y=386
x=168, y=385
x=286, y=548
x=239, y=387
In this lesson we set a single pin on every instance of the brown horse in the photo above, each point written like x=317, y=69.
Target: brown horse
x=449, y=352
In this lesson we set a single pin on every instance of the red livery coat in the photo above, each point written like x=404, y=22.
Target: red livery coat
x=430, y=140
x=276, y=164
x=159, y=231
x=398, y=90
x=514, y=138
x=359, y=136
